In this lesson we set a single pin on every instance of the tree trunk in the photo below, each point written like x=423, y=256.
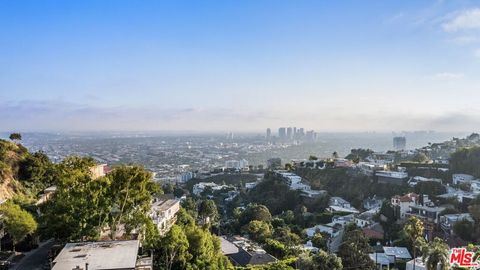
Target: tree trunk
x=414, y=257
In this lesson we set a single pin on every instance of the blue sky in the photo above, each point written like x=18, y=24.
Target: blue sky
x=239, y=65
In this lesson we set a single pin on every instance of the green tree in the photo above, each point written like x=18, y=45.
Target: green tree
x=205, y=250
x=286, y=236
x=82, y=164
x=202, y=246
x=305, y=261
x=312, y=158
x=184, y=218
x=288, y=216
x=130, y=190
x=188, y=246
x=319, y=241
x=466, y=160
x=354, y=250
x=17, y=222
x=207, y=211
x=258, y=230
x=174, y=249
x=474, y=211
x=278, y=265
x=178, y=192
x=388, y=218
x=255, y=212
x=37, y=172
x=414, y=232
x=275, y=248
x=80, y=206
x=288, y=166
x=275, y=194
x=190, y=205
x=359, y=154
x=152, y=235
x=420, y=157
x=326, y=261
x=15, y=136
x=430, y=188
x=168, y=188
x=435, y=255
x=464, y=229
x=319, y=261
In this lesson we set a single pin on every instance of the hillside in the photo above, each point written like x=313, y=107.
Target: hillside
x=350, y=186
x=23, y=174
x=11, y=155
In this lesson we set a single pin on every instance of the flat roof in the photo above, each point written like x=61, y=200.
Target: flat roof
x=164, y=205
x=428, y=208
x=392, y=174
x=98, y=255
x=398, y=252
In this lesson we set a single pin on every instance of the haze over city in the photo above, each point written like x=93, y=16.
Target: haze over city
x=239, y=66
x=239, y=135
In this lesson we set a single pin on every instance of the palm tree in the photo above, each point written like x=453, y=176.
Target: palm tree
x=436, y=254
x=414, y=229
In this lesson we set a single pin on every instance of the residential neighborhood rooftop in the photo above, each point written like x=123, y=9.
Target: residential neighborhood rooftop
x=99, y=255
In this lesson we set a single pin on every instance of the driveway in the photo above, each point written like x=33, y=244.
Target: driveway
x=35, y=259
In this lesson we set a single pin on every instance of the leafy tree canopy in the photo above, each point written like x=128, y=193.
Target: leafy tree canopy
x=466, y=160
x=354, y=250
x=15, y=136
x=255, y=212
x=18, y=223
x=258, y=230
x=82, y=207
x=464, y=229
x=207, y=210
x=430, y=188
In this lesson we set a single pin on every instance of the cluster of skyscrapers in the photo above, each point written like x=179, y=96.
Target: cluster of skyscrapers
x=286, y=134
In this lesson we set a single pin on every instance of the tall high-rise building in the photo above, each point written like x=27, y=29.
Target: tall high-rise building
x=311, y=136
x=269, y=134
x=289, y=133
x=282, y=134
x=301, y=132
x=399, y=143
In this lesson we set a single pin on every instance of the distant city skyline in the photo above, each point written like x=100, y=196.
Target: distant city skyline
x=229, y=66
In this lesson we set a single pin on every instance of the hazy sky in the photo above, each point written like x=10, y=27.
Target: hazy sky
x=239, y=65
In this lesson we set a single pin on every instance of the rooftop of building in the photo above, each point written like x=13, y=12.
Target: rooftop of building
x=120, y=254
x=242, y=251
x=409, y=197
x=392, y=174
x=244, y=258
x=397, y=252
x=428, y=208
x=164, y=205
x=227, y=247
